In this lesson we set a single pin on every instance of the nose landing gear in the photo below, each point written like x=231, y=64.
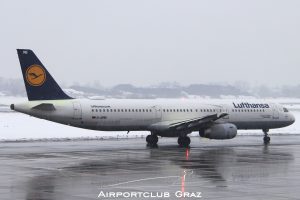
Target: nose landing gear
x=267, y=138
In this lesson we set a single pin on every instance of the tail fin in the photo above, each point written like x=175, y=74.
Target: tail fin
x=38, y=82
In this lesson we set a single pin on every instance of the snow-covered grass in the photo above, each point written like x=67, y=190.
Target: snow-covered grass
x=7, y=100
x=20, y=126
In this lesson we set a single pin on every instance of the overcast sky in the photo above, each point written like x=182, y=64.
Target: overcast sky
x=149, y=42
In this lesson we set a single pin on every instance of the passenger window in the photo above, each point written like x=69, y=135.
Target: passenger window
x=163, y=110
x=92, y=110
x=107, y=110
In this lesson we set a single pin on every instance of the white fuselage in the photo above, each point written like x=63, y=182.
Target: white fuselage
x=132, y=115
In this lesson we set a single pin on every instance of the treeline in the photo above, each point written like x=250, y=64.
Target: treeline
x=15, y=87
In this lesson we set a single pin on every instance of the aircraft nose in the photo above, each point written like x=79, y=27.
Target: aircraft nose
x=292, y=118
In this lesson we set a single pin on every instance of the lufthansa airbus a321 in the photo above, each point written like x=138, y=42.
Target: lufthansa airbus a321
x=166, y=118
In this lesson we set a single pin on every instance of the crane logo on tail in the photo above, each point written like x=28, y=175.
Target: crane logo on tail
x=35, y=75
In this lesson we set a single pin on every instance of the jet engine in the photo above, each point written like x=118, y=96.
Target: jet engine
x=219, y=131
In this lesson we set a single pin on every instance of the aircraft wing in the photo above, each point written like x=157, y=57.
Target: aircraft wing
x=185, y=125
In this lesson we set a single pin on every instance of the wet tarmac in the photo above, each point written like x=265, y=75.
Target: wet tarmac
x=242, y=168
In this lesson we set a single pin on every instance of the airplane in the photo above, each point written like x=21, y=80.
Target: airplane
x=219, y=119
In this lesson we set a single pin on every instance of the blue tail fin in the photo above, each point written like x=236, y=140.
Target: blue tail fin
x=38, y=82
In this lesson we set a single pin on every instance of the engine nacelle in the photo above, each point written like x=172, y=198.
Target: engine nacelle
x=220, y=131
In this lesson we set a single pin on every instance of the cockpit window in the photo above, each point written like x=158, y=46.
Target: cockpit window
x=285, y=110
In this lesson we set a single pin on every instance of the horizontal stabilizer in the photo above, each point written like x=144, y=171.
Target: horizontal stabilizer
x=44, y=107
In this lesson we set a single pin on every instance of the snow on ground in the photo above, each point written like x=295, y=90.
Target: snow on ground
x=17, y=126
x=7, y=100
x=20, y=126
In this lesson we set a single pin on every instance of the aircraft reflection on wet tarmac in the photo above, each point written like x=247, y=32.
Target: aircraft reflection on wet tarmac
x=239, y=170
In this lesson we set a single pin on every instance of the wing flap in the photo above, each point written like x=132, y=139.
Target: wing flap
x=198, y=122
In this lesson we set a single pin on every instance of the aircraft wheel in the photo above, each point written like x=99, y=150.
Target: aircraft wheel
x=152, y=139
x=267, y=139
x=184, y=141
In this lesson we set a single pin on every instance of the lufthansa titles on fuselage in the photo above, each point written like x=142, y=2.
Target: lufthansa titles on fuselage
x=250, y=105
x=96, y=106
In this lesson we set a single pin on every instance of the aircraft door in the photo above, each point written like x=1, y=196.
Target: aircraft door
x=77, y=111
x=158, y=114
x=275, y=112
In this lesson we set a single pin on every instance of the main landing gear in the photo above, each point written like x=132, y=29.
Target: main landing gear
x=152, y=139
x=184, y=141
x=266, y=137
